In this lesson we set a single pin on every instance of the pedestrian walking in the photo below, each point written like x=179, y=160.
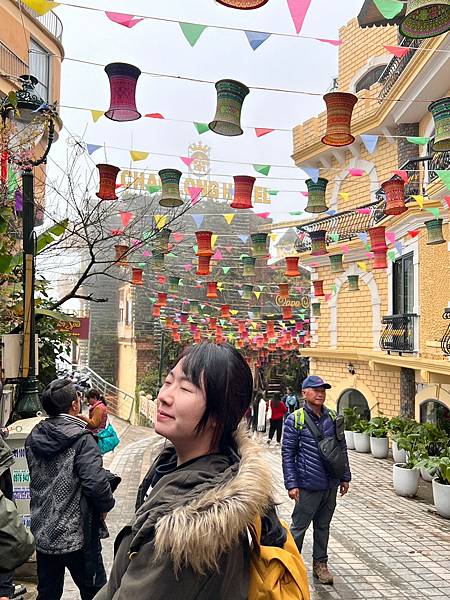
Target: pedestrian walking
x=189, y=538
x=290, y=400
x=98, y=412
x=315, y=466
x=262, y=413
x=70, y=496
x=278, y=410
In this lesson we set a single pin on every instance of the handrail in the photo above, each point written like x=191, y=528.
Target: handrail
x=50, y=21
x=399, y=333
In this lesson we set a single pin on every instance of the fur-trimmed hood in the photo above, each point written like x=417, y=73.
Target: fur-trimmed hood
x=201, y=509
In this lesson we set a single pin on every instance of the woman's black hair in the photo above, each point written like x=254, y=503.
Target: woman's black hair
x=58, y=396
x=94, y=393
x=276, y=399
x=226, y=379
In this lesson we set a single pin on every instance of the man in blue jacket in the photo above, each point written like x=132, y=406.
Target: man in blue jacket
x=306, y=477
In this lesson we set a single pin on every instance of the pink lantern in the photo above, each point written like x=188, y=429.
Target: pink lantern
x=122, y=80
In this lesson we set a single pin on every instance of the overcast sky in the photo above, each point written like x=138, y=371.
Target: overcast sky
x=160, y=47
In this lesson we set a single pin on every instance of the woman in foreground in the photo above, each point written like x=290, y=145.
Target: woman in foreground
x=189, y=535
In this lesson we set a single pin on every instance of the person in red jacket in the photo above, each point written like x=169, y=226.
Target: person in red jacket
x=278, y=409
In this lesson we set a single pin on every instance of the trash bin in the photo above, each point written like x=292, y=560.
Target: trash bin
x=18, y=432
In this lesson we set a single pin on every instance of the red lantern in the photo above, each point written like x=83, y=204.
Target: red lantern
x=108, y=177
x=122, y=80
x=121, y=252
x=162, y=299
x=156, y=311
x=377, y=238
x=211, y=292
x=395, y=196
x=137, y=276
x=270, y=328
x=203, y=267
x=318, y=288
x=379, y=259
x=169, y=323
x=287, y=312
x=197, y=337
x=241, y=327
x=283, y=290
x=292, y=267
x=243, y=189
x=212, y=323
x=176, y=336
x=204, y=243
x=225, y=311
x=339, y=115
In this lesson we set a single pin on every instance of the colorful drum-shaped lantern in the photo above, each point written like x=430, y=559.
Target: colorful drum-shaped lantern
x=259, y=244
x=318, y=288
x=353, y=283
x=230, y=97
x=170, y=188
x=426, y=19
x=162, y=238
x=225, y=311
x=161, y=299
x=316, y=195
x=291, y=266
x=243, y=190
x=136, y=276
x=121, y=254
x=174, y=282
x=434, y=232
x=204, y=243
x=440, y=109
x=211, y=291
x=247, y=290
x=315, y=309
x=336, y=263
x=395, y=196
x=203, y=267
x=248, y=263
x=318, y=244
x=377, y=237
x=287, y=312
x=283, y=290
x=339, y=116
x=122, y=81
x=107, y=186
x=158, y=260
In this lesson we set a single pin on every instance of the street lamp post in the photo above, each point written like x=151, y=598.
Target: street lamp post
x=28, y=129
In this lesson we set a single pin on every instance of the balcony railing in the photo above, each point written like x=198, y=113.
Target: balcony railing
x=50, y=21
x=445, y=342
x=399, y=333
x=10, y=63
x=438, y=161
x=396, y=67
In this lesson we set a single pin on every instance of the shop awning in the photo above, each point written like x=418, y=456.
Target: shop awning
x=370, y=16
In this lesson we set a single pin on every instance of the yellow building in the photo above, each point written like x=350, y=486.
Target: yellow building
x=383, y=347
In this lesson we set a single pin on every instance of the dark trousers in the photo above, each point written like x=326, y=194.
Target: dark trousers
x=6, y=585
x=51, y=569
x=317, y=507
x=276, y=426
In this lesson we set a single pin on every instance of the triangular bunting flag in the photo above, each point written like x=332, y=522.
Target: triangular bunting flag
x=192, y=32
x=419, y=199
x=356, y=172
x=401, y=173
x=334, y=237
x=391, y=255
x=41, y=6
x=389, y=8
x=244, y=237
x=370, y=142
x=256, y=38
x=257, y=294
x=154, y=115
x=413, y=232
x=187, y=160
x=264, y=215
x=444, y=176
x=201, y=127
x=123, y=19
x=214, y=239
x=391, y=236
x=332, y=42
x=153, y=189
x=91, y=148
x=434, y=211
x=363, y=211
x=160, y=221
x=125, y=217
x=177, y=236
x=362, y=266
x=96, y=114
x=226, y=269
x=419, y=141
x=262, y=169
x=399, y=248
x=312, y=173
x=229, y=249
x=344, y=195
x=398, y=51
x=261, y=131
x=198, y=219
x=229, y=217
x=447, y=201
x=194, y=193
x=137, y=155
x=217, y=255
x=273, y=192
x=298, y=10
x=187, y=267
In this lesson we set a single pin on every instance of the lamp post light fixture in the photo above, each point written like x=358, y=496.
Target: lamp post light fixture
x=351, y=368
x=27, y=131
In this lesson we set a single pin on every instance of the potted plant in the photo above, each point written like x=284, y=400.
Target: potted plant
x=441, y=485
x=360, y=435
x=433, y=443
x=379, y=442
x=406, y=474
x=397, y=427
x=351, y=416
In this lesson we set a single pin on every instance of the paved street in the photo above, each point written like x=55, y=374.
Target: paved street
x=381, y=546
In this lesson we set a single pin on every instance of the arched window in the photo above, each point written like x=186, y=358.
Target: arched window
x=432, y=411
x=354, y=399
x=369, y=78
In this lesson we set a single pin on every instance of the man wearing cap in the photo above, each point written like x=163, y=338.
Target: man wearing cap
x=305, y=473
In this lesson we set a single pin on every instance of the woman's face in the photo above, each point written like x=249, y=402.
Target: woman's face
x=180, y=406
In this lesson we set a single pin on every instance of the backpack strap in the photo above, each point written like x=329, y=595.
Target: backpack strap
x=332, y=413
x=299, y=419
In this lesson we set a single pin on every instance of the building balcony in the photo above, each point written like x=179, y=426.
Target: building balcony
x=399, y=333
x=11, y=64
x=445, y=342
x=396, y=67
x=50, y=21
x=438, y=161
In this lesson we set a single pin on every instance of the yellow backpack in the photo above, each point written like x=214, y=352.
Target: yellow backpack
x=276, y=573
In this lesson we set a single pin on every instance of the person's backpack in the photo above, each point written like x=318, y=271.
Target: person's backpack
x=331, y=453
x=276, y=573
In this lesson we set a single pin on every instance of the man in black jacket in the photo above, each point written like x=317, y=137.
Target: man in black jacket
x=70, y=496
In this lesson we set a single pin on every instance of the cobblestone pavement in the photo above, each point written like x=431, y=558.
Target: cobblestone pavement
x=381, y=545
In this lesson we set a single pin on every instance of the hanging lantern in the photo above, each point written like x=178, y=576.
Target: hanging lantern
x=318, y=245
x=287, y=312
x=318, y=288
x=315, y=309
x=316, y=195
x=230, y=97
x=183, y=318
x=174, y=282
x=169, y=323
x=298, y=326
x=211, y=291
x=426, y=19
x=243, y=189
x=162, y=240
x=158, y=260
x=379, y=259
x=122, y=81
x=291, y=267
x=121, y=255
x=270, y=329
x=336, y=263
x=225, y=311
x=259, y=244
x=247, y=291
x=377, y=237
x=137, y=276
x=440, y=109
x=170, y=188
x=204, y=243
x=353, y=283
x=212, y=323
x=395, y=196
x=193, y=327
x=193, y=306
x=241, y=327
x=156, y=311
x=339, y=115
x=162, y=299
x=176, y=337
x=256, y=310
x=197, y=337
x=108, y=177
x=283, y=290
x=248, y=263
x=434, y=232
x=203, y=267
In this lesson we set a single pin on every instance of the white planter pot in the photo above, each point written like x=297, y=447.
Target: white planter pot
x=349, y=439
x=425, y=474
x=406, y=481
x=379, y=447
x=441, y=495
x=362, y=442
x=399, y=456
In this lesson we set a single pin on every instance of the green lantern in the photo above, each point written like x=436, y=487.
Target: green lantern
x=426, y=18
x=434, y=232
x=158, y=260
x=259, y=244
x=315, y=309
x=248, y=262
x=440, y=109
x=318, y=244
x=170, y=182
x=247, y=291
x=194, y=307
x=256, y=310
x=353, y=283
x=162, y=240
x=174, y=282
x=230, y=97
x=316, y=195
x=336, y=263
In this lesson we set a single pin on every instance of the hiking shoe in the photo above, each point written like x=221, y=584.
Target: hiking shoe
x=321, y=572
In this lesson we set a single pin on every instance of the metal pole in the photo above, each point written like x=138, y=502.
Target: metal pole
x=28, y=403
